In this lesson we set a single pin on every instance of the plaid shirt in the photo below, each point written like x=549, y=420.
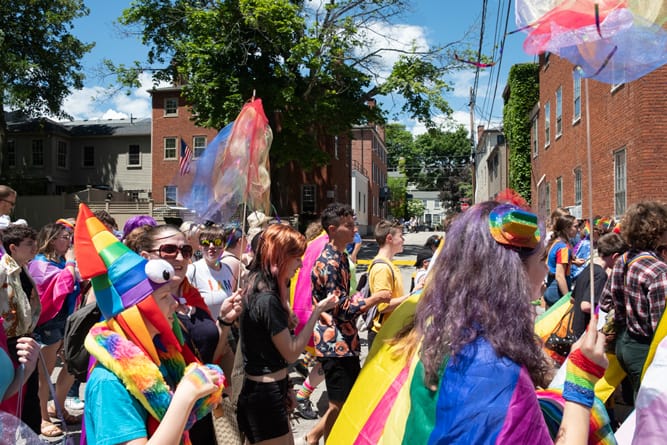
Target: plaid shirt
x=638, y=295
x=335, y=333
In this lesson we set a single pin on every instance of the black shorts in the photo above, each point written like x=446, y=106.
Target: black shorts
x=262, y=410
x=340, y=373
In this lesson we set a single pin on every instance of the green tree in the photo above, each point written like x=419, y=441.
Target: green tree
x=397, y=204
x=40, y=62
x=315, y=67
x=400, y=146
x=416, y=208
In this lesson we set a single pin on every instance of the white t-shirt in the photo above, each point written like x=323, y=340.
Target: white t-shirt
x=215, y=286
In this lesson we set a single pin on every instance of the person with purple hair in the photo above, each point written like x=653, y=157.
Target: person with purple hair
x=467, y=360
x=136, y=222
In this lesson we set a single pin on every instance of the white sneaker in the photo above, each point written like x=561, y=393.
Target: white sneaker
x=74, y=403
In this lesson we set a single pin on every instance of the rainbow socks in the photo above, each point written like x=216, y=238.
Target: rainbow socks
x=305, y=391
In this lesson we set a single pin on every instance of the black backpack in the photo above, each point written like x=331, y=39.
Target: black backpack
x=77, y=326
x=364, y=288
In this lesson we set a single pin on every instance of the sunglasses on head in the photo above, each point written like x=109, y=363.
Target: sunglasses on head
x=216, y=242
x=170, y=251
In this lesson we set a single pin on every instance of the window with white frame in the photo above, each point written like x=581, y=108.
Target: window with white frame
x=170, y=195
x=536, y=138
x=559, y=111
x=576, y=78
x=547, y=124
x=308, y=198
x=199, y=144
x=169, y=148
x=11, y=153
x=577, y=186
x=547, y=192
x=619, y=182
x=134, y=156
x=171, y=106
x=88, y=158
x=37, y=153
x=559, y=191
x=61, y=154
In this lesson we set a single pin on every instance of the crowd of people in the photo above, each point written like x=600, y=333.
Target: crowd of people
x=185, y=310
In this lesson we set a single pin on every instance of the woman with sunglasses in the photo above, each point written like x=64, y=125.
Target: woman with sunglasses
x=198, y=324
x=56, y=278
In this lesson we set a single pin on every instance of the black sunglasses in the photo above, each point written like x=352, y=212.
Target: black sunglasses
x=216, y=242
x=170, y=251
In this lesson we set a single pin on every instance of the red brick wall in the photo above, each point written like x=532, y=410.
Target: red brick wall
x=633, y=116
x=165, y=171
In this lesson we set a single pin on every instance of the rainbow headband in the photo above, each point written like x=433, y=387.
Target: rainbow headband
x=514, y=227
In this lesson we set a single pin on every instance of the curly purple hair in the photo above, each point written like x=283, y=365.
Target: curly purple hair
x=456, y=309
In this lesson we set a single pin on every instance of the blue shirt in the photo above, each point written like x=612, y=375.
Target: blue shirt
x=111, y=414
x=356, y=240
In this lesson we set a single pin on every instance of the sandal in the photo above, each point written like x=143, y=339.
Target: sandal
x=70, y=419
x=48, y=429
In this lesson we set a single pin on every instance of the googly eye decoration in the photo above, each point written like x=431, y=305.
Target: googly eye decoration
x=159, y=271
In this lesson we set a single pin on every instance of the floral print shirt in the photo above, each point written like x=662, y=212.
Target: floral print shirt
x=335, y=333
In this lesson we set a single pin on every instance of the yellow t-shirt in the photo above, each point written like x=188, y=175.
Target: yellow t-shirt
x=380, y=278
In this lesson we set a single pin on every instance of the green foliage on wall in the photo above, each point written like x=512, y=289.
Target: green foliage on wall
x=524, y=88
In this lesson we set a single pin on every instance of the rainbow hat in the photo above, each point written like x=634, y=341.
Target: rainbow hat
x=512, y=226
x=120, y=277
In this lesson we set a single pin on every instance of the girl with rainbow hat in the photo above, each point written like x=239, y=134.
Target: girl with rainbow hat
x=144, y=386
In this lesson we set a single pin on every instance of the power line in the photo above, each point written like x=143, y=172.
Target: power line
x=500, y=61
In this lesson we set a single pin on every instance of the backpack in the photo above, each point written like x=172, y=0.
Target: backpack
x=77, y=326
x=364, y=289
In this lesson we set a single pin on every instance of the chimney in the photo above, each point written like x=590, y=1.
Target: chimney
x=480, y=130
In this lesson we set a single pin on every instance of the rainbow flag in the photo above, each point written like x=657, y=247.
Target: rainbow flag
x=390, y=404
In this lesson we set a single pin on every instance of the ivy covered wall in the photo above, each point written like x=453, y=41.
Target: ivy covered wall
x=524, y=92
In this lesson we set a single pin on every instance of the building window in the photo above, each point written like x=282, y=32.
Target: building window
x=308, y=198
x=199, y=144
x=170, y=195
x=37, y=153
x=61, y=154
x=619, y=182
x=133, y=156
x=547, y=196
x=11, y=153
x=547, y=124
x=559, y=111
x=169, y=148
x=577, y=186
x=576, y=77
x=336, y=147
x=536, y=138
x=559, y=191
x=171, y=106
x=88, y=156
x=199, y=195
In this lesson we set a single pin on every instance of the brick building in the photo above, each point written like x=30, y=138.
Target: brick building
x=294, y=191
x=628, y=130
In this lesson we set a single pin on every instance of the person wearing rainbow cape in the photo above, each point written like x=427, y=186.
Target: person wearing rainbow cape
x=144, y=385
x=460, y=363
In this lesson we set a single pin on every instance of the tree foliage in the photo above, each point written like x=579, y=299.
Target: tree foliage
x=524, y=87
x=315, y=65
x=398, y=203
x=40, y=62
x=400, y=146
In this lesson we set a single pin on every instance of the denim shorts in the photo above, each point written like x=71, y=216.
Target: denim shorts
x=52, y=331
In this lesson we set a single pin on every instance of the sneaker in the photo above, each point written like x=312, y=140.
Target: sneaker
x=74, y=403
x=304, y=408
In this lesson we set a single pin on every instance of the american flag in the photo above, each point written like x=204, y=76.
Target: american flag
x=186, y=155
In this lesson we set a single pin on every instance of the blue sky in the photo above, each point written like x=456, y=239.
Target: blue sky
x=428, y=21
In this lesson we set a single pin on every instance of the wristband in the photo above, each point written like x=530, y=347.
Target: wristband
x=580, y=378
x=223, y=322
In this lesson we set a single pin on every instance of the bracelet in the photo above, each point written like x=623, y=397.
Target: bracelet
x=581, y=376
x=223, y=322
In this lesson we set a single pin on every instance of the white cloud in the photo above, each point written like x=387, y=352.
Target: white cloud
x=457, y=119
x=93, y=102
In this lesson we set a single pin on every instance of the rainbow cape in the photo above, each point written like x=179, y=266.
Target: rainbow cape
x=389, y=403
